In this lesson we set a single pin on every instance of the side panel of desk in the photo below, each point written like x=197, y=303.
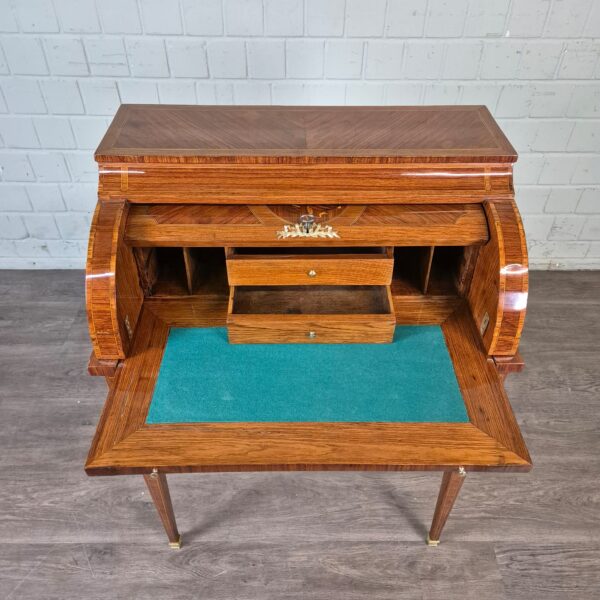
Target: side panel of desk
x=113, y=294
x=498, y=293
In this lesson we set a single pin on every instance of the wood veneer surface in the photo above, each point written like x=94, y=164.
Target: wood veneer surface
x=317, y=299
x=278, y=134
x=362, y=225
x=318, y=269
x=125, y=444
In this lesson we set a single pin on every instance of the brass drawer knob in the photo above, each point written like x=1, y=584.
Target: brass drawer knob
x=311, y=335
x=312, y=273
x=306, y=222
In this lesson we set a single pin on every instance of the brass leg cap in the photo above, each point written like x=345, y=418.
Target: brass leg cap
x=175, y=545
x=431, y=542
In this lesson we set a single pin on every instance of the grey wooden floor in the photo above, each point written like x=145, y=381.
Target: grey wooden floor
x=294, y=535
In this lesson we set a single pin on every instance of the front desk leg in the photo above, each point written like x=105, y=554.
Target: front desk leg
x=159, y=490
x=451, y=484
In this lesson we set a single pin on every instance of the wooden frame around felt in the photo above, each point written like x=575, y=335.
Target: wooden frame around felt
x=125, y=444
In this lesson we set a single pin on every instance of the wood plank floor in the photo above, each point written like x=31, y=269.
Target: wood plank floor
x=294, y=535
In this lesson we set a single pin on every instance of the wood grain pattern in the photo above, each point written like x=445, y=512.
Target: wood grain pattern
x=104, y=368
x=331, y=315
x=124, y=444
x=113, y=293
x=509, y=364
x=257, y=569
x=563, y=571
x=208, y=310
x=325, y=184
x=425, y=268
x=313, y=300
x=211, y=310
x=315, y=269
x=515, y=285
x=451, y=483
x=497, y=420
x=190, y=269
x=265, y=155
x=424, y=310
x=465, y=271
x=297, y=134
x=159, y=491
x=147, y=266
x=310, y=329
x=500, y=280
x=374, y=225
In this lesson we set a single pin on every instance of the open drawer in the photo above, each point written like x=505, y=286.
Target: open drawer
x=310, y=266
x=311, y=314
x=303, y=418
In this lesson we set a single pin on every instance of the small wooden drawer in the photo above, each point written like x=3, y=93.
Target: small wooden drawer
x=310, y=266
x=310, y=314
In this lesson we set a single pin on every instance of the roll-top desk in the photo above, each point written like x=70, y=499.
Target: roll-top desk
x=305, y=288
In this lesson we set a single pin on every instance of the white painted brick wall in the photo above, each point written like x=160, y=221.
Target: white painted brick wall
x=227, y=59
x=65, y=56
x=284, y=18
x=187, y=58
x=344, y=59
x=325, y=18
x=66, y=65
x=266, y=59
x=106, y=56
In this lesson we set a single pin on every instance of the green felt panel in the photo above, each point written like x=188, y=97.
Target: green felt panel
x=203, y=378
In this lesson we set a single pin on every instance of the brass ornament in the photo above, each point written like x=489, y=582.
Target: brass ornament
x=316, y=230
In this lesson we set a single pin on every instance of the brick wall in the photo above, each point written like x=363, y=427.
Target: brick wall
x=65, y=65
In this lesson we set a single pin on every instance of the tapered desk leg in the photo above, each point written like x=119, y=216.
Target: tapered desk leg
x=451, y=484
x=159, y=490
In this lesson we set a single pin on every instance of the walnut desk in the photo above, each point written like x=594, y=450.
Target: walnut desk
x=305, y=288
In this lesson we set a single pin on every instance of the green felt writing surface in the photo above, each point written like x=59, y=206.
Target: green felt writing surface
x=203, y=378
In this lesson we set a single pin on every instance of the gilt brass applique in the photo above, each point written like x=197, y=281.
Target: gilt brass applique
x=316, y=230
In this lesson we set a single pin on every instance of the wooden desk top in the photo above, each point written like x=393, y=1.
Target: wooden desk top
x=306, y=135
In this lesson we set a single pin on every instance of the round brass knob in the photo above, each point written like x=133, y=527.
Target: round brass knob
x=312, y=273
x=311, y=334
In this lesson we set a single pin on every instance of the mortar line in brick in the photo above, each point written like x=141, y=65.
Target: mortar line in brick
x=422, y=37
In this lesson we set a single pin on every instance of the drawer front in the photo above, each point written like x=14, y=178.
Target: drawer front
x=310, y=329
x=276, y=225
x=310, y=270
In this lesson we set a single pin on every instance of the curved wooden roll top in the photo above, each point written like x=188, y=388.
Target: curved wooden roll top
x=260, y=225
x=498, y=293
x=112, y=292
